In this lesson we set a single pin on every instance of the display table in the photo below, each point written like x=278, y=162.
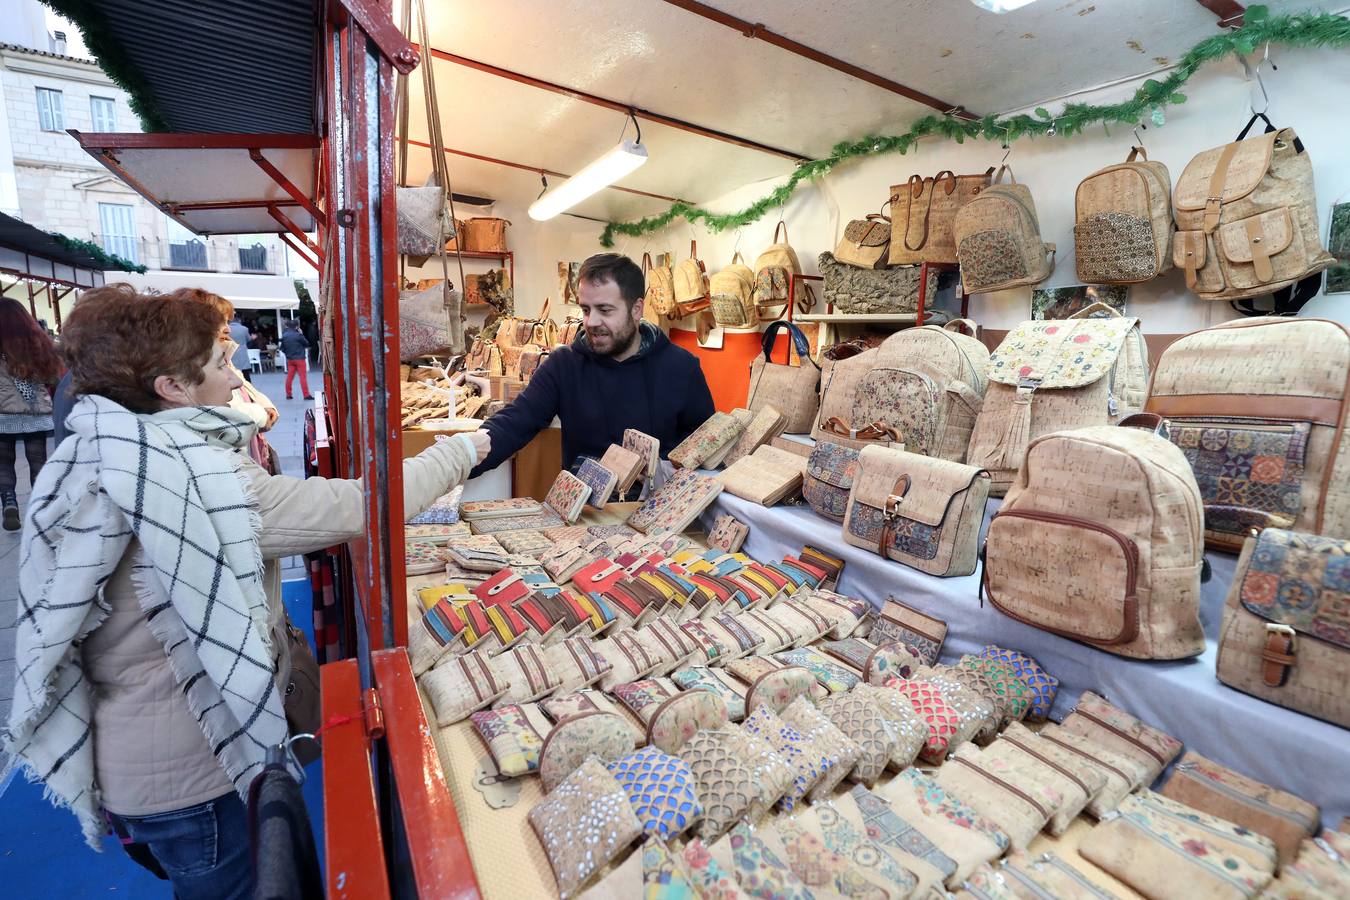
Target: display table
x=1286, y=749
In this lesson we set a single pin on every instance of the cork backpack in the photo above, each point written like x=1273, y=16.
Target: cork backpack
x=660, y=296
x=923, y=387
x=1247, y=217
x=1100, y=539
x=691, y=284
x=731, y=292
x=998, y=239
x=1259, y=408
x=1049, y=375
x=773, y=270
x=1122, y=232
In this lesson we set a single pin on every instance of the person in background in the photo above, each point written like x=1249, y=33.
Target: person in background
x=239, y=334
x=29, y=368
x=117, y=710
x=312, y=335
x=620, y=372
x=295, y=348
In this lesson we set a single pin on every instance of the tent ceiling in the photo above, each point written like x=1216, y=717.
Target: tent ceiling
x=657, y=56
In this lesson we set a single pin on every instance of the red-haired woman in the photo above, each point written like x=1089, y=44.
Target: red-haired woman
x=29, y=368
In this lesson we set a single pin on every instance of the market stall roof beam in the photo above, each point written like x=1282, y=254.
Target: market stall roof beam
x=1230, y=12
x=756, y=30
x=617, y=106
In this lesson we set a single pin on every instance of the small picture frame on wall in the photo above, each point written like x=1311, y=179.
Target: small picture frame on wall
x=1338, y=244
x=1062, y=302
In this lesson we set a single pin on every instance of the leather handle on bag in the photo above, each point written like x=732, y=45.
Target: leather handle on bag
x=998, y=176
x=1147, y=421
x=799, y=341
x=646, y=262
x=974, y=328
x=693, y=249
x=1135, y=153
x=1096, y=307
x=783, y=225
x=927, y=213
x=948, y=177
x=1270, y=126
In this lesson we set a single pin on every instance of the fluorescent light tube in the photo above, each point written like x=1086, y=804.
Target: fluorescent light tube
x=1000, y=6
x=625, y=157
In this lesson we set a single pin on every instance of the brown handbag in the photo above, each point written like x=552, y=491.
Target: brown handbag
x=789, y=389
x=923, y=213
x=866, y=242
x=485, y=235
x=301, y=701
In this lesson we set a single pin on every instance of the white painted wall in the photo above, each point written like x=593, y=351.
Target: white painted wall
x=1306, y=93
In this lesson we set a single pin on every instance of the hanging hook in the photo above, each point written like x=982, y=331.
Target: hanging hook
x=543, y=181
x=632, y=117
x=1255, y=72
x=1007, y=151
x=1139, y=142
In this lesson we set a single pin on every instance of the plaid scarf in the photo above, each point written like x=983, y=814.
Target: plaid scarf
x=170, y=480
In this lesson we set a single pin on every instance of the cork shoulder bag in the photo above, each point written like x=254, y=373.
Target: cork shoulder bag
x=787, y=388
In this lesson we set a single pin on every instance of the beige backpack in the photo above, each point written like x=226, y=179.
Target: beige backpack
x=731, y=291
x=998, y=239
x=1051, y=375
x=772, y=270
x=1100, y=539
x=923, y=387
x=691, y=284
x=660, y=296
x=1122, y=232
x=1259, y=408
x=1247, y=218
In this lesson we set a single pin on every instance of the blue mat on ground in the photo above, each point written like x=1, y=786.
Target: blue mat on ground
x=42, y=853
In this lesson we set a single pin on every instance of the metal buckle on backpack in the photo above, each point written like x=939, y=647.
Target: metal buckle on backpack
x=1029, y=382
x=1281, y=628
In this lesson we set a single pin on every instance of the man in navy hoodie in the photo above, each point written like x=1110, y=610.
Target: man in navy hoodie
x=620, y=372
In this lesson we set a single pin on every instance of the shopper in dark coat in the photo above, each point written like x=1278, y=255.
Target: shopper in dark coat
x=619, y=373
x=294, y=347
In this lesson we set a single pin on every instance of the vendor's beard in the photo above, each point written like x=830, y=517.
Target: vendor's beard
x=615, y=342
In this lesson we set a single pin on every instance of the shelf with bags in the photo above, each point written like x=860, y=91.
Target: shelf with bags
x=904, y=319
x=860, y=318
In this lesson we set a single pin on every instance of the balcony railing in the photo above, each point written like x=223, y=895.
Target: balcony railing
x=211, y=254
x=253, y=259
x=187, y=255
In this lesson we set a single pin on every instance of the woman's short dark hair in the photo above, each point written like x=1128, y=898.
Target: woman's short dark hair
x=118, y=341
x=606, y=267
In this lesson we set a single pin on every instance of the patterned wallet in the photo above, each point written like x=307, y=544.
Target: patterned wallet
x=567, y=496
x=600, y=480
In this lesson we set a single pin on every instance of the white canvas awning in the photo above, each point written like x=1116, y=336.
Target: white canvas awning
x=244, y=291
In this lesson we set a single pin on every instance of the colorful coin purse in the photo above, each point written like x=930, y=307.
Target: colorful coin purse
x=679, y=718
x=1043, y=685
x=834, y=677
x=514, y=736
x=702, y=678
x=600, y=734
x=660, y=788
x=584, y=823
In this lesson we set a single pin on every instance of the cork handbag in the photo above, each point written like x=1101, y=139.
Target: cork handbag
x=866, y=242
x=1263, y=428
x=660, y=281
x=485, y=234
x=691, y=284
x=1100, y=540
x=1122, y=232
x=789, y=389
x=729, y=291
x=923, y=387
x=923, y=512
x=1284, y=636
x=1246, y=217
x=923, y=214
x=1053, y=375
x=998, y=239
x=850, y=289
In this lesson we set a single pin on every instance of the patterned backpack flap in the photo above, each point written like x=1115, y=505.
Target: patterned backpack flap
x=1122, y=231
x=1286, y=633
x=1053, y=375
x=730, y=290
x=1263, y=431
x=830, y=471
x=773, y=270
x=998, y=239
x=1247, y=217
x=923, y=512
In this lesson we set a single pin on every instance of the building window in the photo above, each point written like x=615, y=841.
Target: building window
x=119, y=230
x=51, y=114
x=103, y=110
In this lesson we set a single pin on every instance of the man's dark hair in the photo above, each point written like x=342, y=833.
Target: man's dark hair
x=606, y=267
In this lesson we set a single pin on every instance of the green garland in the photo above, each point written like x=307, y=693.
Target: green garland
x=102, y=257
x=1153, y=96
x=111, y=54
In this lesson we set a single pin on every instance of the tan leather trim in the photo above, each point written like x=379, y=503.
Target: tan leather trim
x=1317, y=410
x=1219, y=178
x=1277, y=659
x=1256, y=240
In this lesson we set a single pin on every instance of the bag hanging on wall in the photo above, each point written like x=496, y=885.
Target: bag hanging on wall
x=691, y=284
x=998, y=239
x=485, y=234
x=1283, y=637
x=922, y=512
x=923, y=213
x=660, y=281
x=1053, y=375
x=853, y=290
x=789, y=389
x=1082, y=522
x=773, y=269
x=731, y=291
x=866, y=242
x=1263, y=429
x=1247, y=217
x=426, y=319
x=1122, y=231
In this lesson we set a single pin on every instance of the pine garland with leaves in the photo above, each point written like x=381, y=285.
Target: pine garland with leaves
x=101, y=256
x=1307, y=29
